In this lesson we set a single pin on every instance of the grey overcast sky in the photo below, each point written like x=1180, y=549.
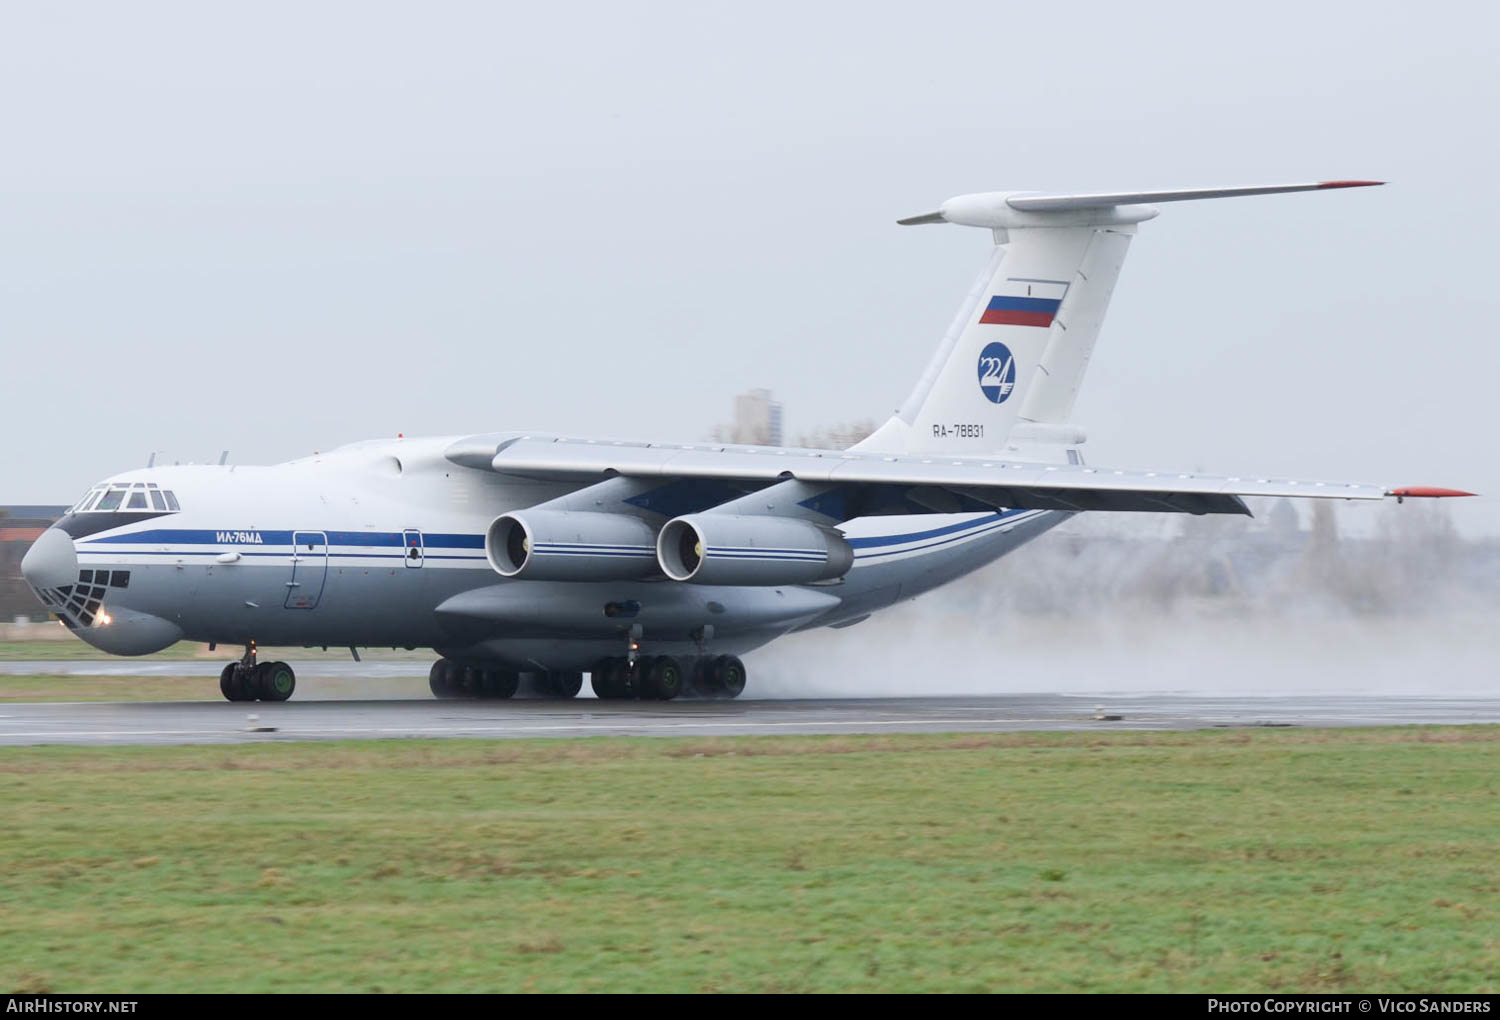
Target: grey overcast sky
x=277, y=227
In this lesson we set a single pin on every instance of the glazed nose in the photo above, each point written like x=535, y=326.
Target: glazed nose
x=51, y=562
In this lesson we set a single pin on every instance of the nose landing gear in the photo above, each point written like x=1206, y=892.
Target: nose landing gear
x=248, y=680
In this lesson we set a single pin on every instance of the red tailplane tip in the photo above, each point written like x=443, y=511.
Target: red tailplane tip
x=1350, y=184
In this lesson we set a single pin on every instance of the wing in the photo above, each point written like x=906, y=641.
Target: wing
x=926, y=484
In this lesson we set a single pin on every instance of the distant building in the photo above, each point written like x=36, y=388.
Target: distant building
x=760, y=421
x=836, y=437
x=19, y=527
x=757, y=421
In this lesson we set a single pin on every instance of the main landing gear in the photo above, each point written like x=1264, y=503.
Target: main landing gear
x=449, y=679
x=661, y=678
x=723, y=677
x=248, y=680
x=649, y=678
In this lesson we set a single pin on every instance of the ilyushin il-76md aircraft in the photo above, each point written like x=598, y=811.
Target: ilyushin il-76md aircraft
x=651, y=566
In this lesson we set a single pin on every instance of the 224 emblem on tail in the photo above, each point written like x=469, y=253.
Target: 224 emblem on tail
x=997, y=372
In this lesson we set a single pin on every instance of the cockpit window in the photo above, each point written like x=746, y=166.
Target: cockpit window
x=121, y=496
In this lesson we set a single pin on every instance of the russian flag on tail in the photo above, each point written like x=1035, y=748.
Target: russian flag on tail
x=1020, y=311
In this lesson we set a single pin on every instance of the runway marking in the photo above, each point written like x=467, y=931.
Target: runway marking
x=210, y=724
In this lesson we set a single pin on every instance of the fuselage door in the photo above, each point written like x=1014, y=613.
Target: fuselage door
x=309, y=569
x=415, y=552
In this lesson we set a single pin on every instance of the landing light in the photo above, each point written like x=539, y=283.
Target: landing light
x=105, y=619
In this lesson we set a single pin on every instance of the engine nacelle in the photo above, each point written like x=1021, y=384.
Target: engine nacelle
x=562, y=545
x=715, y=548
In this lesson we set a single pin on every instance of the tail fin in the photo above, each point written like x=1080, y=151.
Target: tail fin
x=1021, y=342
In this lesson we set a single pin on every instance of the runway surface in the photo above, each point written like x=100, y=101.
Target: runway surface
x=311, y=719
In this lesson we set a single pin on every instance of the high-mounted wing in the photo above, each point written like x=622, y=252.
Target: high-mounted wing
x=970, y=482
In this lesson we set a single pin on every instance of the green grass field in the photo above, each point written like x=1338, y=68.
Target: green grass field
x=71, y=649
x=66, y=687
x=1227, y=860
x=35, y=687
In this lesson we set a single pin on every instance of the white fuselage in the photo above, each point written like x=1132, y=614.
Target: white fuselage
x=383, y=544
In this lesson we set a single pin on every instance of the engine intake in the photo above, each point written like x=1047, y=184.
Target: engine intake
x=729, y=549
x=560, y=545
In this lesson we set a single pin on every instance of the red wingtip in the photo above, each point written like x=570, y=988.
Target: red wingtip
x=1427, y=492
x=1350, y=184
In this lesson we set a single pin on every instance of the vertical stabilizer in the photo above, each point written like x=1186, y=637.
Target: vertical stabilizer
x=1070, y=343
x=1019, y=347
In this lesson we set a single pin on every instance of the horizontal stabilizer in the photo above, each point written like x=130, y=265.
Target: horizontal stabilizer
x=1054, y=203
x=997, y=208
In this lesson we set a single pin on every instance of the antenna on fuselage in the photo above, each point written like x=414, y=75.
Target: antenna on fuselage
x=151, y=460
x=223, y=457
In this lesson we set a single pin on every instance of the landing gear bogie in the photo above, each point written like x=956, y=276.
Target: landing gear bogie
x=729, y=676
x=439, y=680
x=651, y=678
x=612, y=680
x=719, y=677
x=499, y=683
x=661, y=676
x=449, y=680
x=562, y=684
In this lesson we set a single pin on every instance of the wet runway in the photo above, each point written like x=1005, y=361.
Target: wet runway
x=307, y=718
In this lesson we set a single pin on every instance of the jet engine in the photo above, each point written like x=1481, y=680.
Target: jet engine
x=715, y=548
x=562, y=545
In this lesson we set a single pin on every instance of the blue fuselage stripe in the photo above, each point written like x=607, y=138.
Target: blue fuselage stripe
x=373, y=545
x=981, y=528
x=914, y=536
x=236, y=537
